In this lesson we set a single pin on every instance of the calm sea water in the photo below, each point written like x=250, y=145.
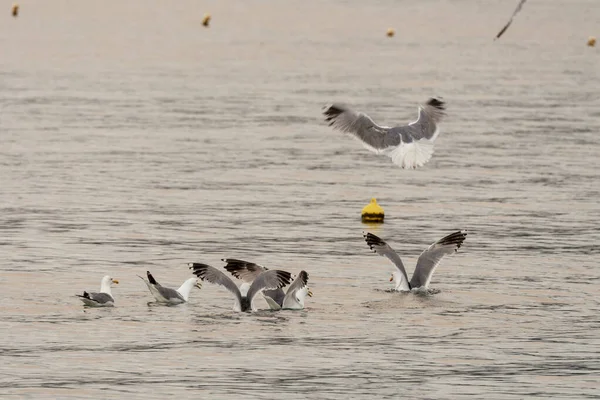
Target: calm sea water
x=134, y=139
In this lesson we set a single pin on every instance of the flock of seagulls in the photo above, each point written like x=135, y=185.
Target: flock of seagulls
x=269, y=283
x=409, y=146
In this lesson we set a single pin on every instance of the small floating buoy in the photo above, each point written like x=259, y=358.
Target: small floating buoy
x=390, y=32
x=591, y=41
x=206, y=20
x=15, y=10
x=372, y=212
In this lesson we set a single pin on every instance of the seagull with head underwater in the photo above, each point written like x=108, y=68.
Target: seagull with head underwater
x=170, y=296
x=277, y=298
x=267, y=280
x=409, y=146
x=426, y=264
x=100, y=299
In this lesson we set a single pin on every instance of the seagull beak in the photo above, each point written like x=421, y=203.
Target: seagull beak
x=115, y=281
x=391, y=278
x=309, y=293
x=198, y=285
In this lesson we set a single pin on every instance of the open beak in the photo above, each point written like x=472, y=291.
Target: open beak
x=392, y=278
x=198, y=285
x=309, y=293
x=115, y=281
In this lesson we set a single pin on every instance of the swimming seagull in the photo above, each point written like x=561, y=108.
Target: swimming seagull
x=519, y=6
x=103, y=298
x=267, y=280
x=426, y=264
x=167, y=295
x=277, y=299
x=409, y=146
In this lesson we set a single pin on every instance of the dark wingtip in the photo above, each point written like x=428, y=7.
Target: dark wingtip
x=199, y=269
x=436, y=103
x=283, y=277
x=303, y=276
x=151, y=278
x=373, y=240
x=456, y=238
x=331, y=112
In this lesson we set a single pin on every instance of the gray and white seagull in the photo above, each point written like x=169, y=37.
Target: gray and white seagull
x=103, y=298
x=167, y=295
x=409, y=146
x=426, y=264
x=267, y=280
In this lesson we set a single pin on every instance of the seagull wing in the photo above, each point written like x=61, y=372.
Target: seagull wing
x=299, y=283
x=213, y=275
x=372, y=136
x=268, y=280
x=248, y=272
x=415, y=147
x=430, y=258
x=383, y=249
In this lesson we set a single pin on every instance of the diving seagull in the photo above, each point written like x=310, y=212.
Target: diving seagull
x=426, y=264
x=267, y=280
x=101, y=299
x=277, y=299
x=519, y=6
x=409, y=146
x=167, y=295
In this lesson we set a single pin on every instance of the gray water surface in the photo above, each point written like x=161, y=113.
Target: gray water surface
x=134, y=139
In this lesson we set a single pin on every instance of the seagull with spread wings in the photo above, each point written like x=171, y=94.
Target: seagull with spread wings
x=267, y=280
x=426, y=264
x=409, y=146
x=277, y=299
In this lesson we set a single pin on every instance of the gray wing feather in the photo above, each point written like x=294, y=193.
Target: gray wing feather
x=300, y=282
x=269, y=280
x=165, y=292
x=101, y=297
x=244, y=270
x=248, y=271
x=213, y=275
x=168, y=293
x=383, y=249
x=431, y=257
x=374, y=137
x=425, y=127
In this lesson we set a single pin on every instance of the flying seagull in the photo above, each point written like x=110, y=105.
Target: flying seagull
x=277, y=299
x=167, y=295
x=101, y=299
x=409, y=146
x=511, y=19
x=426, y=264
x=267, y=280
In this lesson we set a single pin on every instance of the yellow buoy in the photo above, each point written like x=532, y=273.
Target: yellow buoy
x=591, y=41
x=372, y=212
x=390, y=32
x=15, y=10
x=206, y=20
